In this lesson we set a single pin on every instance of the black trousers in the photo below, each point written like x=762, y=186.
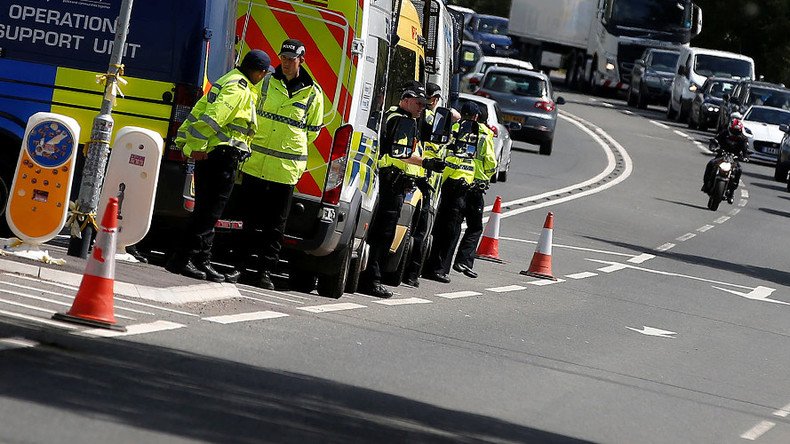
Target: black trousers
x=473, y=214
x=420, y=236
x=382, y=228
x=447, y=228
x=266, y=205
x=214, y=179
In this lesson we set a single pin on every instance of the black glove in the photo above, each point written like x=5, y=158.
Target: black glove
x=423, y=185
x=432, y=164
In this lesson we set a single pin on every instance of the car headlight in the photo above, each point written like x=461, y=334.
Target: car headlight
x=693, y=87
x=609, y=66
x=713, y=108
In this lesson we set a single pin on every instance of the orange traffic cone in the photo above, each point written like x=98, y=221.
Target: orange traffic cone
x=489, y=244
x=93, y=305
x=540, y=267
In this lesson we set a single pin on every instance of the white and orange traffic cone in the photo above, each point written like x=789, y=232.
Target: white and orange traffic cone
x=93, y=304
x=540, y=267
x=488, y=249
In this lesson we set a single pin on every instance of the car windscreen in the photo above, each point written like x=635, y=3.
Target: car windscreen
x=719, y=89
x=517, y=84
x=769, y=116
x=664, y=61
x=775, y=98
x=660, y=15
x=710, y=65
x=490, y=25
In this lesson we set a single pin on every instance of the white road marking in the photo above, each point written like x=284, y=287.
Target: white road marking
x=735, y=211
x=627, y=113
x=70, y=297
x=681, y=134
x=39, y=320
x=326, y=308
x=135, y=329
x=686, y=237
x=403, y=301
x=703, y=148
x=660, y=125
x=506, y=289
x=758, y=430
x=608, y=105
x=642, y=258
x=743, y=202
x=666, y=273
x=744, y=193
x=544, y=282
x=15, y=343
x=243, y=317
x=665, y=247
x=583, y=275
x=784, y=412
x=612, y=268
x=760, y=293
x=652, y=331
x=458, y=294
x=272, y=296
x=569, y=247
x=722, y=219
x=42, y=299
x=252, y=289
x=705, y=228
x=263, y=300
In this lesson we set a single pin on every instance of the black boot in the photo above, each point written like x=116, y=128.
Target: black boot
x=187, y=269
x=375, y=289
x=233, y=276
x=266, y=281
x=211, y=274
x=131, y=249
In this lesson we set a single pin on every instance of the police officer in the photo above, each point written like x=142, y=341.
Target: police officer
x=485, y=167
x=217, y=134
x=290, y=116
x=428, y=184
x=457, y=180
x=394, y=182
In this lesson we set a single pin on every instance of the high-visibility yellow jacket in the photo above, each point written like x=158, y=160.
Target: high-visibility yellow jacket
x=386, y=160
x=224, y=116
x=485, y=160
x=288, y=121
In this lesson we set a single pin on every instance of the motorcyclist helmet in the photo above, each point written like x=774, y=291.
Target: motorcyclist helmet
x=736, y=127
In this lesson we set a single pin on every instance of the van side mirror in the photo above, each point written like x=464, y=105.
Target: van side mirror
x=785, y=128
x=441, y=128
x=641, y=62
x=466, y=139
x=403, y=136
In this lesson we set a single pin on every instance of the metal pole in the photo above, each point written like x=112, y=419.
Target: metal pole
x=99, y=144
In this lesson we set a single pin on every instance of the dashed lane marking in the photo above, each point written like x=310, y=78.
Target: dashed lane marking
x=666, y=247
x=705, y=228
x=745, y=193
x=458, y=294
x=135, y=329
x=544, y=282
x=627, y=113
x=682, y=134
x=583, y=275
x=38, y=320
x=269, y=295
x=569, y=247
x=326, y=308
x=42, y=299
x=667, y=273
x=608, y=105
x=758, y=430
x=686, y=237
x=613, y=267
x=660, y=125
x=735, y=211
x=642, y=258
x=506, y=289
x=16, y=343
x=54, y=293
x=244, y=317
x=403, y=301
x=743, y=202
x=784, y=412
x=722, y=219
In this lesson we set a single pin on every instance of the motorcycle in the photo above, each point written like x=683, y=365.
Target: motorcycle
x=722, y=176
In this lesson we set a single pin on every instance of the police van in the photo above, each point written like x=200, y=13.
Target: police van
x=51, y=53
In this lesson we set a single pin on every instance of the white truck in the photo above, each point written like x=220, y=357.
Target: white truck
x=598, y=41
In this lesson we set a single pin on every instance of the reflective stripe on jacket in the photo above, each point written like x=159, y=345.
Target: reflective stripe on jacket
x=224, y=116
x=287, y=124
x=386, y=160
x=485, y=160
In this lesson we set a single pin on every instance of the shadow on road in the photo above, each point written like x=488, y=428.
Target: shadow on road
x=685, y=204
x=770, y=186
x=766, y=274
x=198, y=397
x=761, y=176
x=775, y=212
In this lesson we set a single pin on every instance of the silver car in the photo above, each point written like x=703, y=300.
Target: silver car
x=525, y=97
x=472, y=79
x=491, y=116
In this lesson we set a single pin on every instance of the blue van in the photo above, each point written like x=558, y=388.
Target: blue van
x=490, y=32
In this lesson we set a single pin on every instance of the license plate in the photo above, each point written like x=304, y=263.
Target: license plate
x=772, y=151
x=517, y=119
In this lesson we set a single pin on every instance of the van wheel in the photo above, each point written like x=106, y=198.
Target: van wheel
x=354, y=270
x=333, y=285
x=302, y=281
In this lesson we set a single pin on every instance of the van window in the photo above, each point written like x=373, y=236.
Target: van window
x=377, y=105
x=403, y=67
x=710, y=65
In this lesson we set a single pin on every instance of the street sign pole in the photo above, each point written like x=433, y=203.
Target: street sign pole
x=83, y=217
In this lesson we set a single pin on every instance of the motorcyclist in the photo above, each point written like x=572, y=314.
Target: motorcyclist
x=731, y=140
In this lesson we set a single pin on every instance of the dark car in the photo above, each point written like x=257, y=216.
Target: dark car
x=748, y=93
x=525, y=97
x=705, y=107
x=783, y=162
x=651, y=78
x=490, y=32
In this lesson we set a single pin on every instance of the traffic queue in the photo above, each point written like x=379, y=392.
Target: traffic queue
x=253, y=128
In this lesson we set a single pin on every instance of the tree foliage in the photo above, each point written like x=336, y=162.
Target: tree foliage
x=757, y=28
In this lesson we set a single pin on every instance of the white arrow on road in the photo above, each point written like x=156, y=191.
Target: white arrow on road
x=758, y=294
x=650, y=331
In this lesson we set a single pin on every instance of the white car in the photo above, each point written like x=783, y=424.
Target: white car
x=762, y=128
x=502, y=141
x=470, y=81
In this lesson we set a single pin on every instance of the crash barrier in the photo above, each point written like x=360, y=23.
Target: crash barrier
x=540, y=267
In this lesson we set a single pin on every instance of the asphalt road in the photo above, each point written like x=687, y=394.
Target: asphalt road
x=668, y=324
